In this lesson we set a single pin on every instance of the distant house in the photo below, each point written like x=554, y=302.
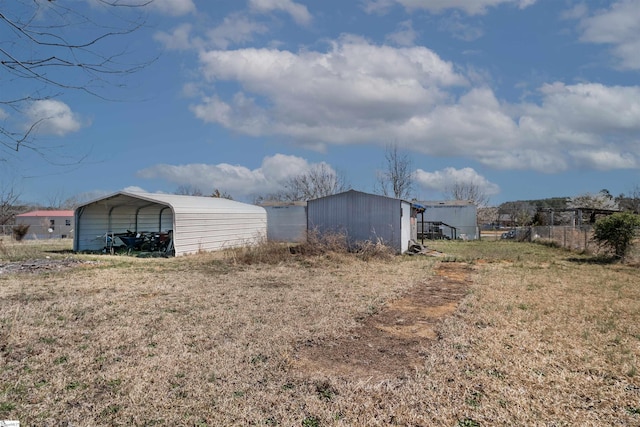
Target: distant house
x=47, y=224
x=365, y=217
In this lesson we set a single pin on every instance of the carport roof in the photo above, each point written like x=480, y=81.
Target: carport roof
x=178, y=203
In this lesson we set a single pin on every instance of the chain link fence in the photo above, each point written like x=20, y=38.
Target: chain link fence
x=6, y=231
x=575, y=238
x=38, y=232
x=579, y=239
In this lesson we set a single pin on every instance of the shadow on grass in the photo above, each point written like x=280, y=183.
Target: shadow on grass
x=597, y=259
x=59, y=251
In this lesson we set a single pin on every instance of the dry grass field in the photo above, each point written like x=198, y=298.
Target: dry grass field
x=491, y=333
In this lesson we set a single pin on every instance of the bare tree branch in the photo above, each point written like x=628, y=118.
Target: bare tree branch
x=631, y=202
x=319, y=181
x=396, y=180
x=470, y=191
x=188, y=190
x=8, y=203
x=54, y=47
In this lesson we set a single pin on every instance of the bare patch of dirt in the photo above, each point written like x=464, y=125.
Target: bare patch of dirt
x=41, y=265
x=392, y=342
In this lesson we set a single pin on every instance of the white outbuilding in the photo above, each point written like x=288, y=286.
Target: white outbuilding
x=193, y=223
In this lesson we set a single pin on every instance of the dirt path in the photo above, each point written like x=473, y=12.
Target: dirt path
x=42, y=265
x=392, y=342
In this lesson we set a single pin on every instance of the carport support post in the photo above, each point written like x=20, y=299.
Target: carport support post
x=160, y=219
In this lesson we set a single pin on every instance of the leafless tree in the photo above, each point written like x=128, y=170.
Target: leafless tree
x=76, y=200
x=462, y=190
x=192, y=190
x=520, y=212
x=57, y=200
x=630, y=202
x=188, y=190
x=319, y=181
x=488, y=215
x=53, y=47
x=396, y=179
x=9, y=208
x=217, y=194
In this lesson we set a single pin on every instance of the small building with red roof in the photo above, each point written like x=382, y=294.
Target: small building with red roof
x=47, y=224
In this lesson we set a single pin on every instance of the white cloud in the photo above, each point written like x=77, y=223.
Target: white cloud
x=237, y=180
x=443, y=179
x=173, y=7
x=590, y=107
x=601, y=159
x=53, y=117
x=404, y=36
x=575, y=122
x=357, y=92
x=298, y=12
x=235, y=29
x=178, y=39
x=134, y=189
x=578, y=11
x=470, y=7
x=377, y=6
x=618, y=26
x=343, y=94
x=455, y=25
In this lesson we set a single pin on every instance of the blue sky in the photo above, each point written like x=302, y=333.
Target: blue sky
x=527, y=99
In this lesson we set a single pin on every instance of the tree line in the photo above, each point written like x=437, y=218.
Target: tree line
x=563, y=210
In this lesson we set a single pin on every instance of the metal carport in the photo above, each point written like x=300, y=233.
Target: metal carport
x=197, y=223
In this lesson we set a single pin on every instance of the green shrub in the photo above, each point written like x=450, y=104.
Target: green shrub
x=19, y=231
x=616, y=232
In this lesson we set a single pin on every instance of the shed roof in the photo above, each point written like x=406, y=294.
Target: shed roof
x=44, y=213
x=447, y=203
x=356, y=192
x=275, y=203
x=178, y=203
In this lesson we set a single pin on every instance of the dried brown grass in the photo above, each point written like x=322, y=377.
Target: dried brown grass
x=544, y=338
x=330, y=245
x=12, y=250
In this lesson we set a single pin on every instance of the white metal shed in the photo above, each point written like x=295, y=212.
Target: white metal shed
x=197, y=223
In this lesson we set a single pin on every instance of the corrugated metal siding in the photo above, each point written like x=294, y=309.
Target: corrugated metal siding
x=209, y=232
x=97, y=220
x=201, y=224
x=92, y=223
x=361, y=216
x=286, y=223
x=464, y=218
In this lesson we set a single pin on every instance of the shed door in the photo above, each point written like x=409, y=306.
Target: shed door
x=405, y=225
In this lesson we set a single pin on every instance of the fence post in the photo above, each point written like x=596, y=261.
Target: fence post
x=586, y=241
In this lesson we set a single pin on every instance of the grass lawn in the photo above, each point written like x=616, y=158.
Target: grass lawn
x=491, y=333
